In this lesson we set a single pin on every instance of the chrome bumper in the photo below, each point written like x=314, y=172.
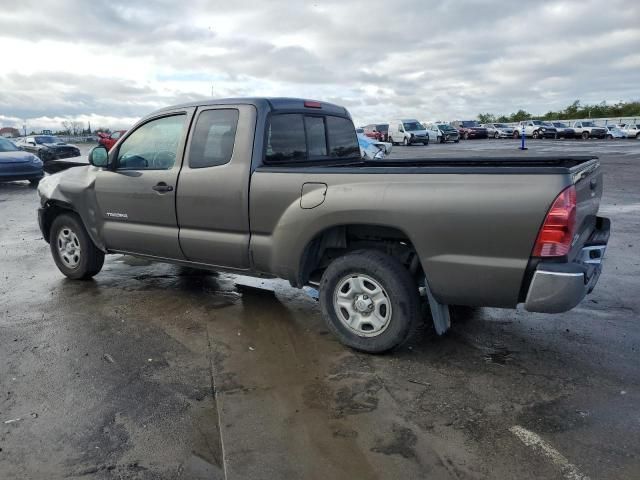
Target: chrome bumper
x=558, y=287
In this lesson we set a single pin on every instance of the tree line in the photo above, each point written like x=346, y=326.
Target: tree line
x=575, y=110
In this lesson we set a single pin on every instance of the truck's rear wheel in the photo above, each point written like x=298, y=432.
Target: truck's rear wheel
x=585, y=135
x=73, y=250
x=370, y=301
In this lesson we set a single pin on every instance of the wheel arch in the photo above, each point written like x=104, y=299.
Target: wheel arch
x=54, y=208
x=334, y=241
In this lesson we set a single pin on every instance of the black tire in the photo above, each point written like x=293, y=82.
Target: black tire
x=535, y=134
x=401, y=293
x=466, y=136
x=638, y=136
x=609, y=137
x=585, y=135
x=516, y=134
x=456, y=141
x=34, y=182
x=405, y=142
x=442, y=140
x=90, y=259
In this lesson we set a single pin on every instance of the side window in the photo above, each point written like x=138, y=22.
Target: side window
x=343, y=141
x=213, y=138
x=153, y=146
x=115, y=135
x=400, y=128
x=286, y=139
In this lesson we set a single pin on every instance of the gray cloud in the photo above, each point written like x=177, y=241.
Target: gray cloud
x=424, y=59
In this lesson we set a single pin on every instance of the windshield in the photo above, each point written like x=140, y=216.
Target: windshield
x=559, y=125
x=412, y=126
x=469, y=123
x=382, y=128
x=500, y=125
x=537, y=122
x=48, y=139
x=7, y=146
x=445, y=128
x=588, y=124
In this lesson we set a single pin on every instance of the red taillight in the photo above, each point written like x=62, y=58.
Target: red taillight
x=312, y=104
x=556, y=233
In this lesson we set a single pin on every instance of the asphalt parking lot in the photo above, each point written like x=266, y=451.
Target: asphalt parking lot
x=153, y=371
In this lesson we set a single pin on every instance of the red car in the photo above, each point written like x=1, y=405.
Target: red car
x=109, y=140
x=379, y=132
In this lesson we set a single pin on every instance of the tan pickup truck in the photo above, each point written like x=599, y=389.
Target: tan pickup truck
x=277, y=187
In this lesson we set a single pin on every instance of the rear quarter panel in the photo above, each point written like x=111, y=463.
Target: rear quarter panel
x=473, y=232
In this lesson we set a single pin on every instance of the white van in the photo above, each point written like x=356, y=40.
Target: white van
x=407, y=131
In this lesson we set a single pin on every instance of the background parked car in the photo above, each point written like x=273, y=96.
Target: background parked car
x=632, y=131
x=614, y=132
x=48, y=147
x=586, y=129
x=407, y=131
x=498, y=130
x=442, y=132
x=535, y=129
x=109, y=140
x=377, y=131
x=16, y=164
x=469, y=129
x=564, y=130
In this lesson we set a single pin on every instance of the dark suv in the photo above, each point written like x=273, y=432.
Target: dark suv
x=469, y=129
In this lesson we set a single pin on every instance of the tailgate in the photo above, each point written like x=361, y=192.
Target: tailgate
x=587, y=178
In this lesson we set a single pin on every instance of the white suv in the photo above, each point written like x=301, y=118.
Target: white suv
x=632, y=131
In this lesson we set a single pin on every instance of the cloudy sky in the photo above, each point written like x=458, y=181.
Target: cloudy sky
x=114, y=61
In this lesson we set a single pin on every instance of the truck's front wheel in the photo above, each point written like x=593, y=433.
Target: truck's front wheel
x=73, y=250
x=370, y=301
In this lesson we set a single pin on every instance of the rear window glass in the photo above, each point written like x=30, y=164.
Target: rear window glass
x=316, y=136
x=342, y=138
x=213, y=138
x=297, y=137
x=286, y=140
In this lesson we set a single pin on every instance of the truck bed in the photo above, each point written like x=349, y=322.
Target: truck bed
x=499, y=165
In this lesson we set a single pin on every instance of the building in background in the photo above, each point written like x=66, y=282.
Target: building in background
x=9, y=132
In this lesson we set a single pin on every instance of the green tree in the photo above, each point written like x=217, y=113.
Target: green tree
x=486, y=118
x=519, y=116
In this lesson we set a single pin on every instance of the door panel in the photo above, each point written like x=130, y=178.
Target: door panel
x=213, y=188
x=137, y=199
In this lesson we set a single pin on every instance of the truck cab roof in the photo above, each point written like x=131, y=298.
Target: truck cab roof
x=268, y=104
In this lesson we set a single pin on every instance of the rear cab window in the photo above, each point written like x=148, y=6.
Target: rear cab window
x=295, y=137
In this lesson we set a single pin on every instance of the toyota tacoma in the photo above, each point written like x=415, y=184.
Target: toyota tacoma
x=277, y=188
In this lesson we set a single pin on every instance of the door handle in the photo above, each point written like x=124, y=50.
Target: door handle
x=162, y=187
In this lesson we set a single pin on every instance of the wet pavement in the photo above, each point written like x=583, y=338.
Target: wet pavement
x=153, y=371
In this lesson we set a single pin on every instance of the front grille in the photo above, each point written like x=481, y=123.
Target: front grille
x=66, y=152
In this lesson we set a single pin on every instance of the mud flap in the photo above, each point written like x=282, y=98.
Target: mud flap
x=439, y=312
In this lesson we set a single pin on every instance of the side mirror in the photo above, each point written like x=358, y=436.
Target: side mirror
x=98, y=156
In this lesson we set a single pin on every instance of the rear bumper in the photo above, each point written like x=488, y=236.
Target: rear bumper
x=558, y=287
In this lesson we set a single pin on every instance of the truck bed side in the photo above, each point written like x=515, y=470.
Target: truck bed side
x=473, y=231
